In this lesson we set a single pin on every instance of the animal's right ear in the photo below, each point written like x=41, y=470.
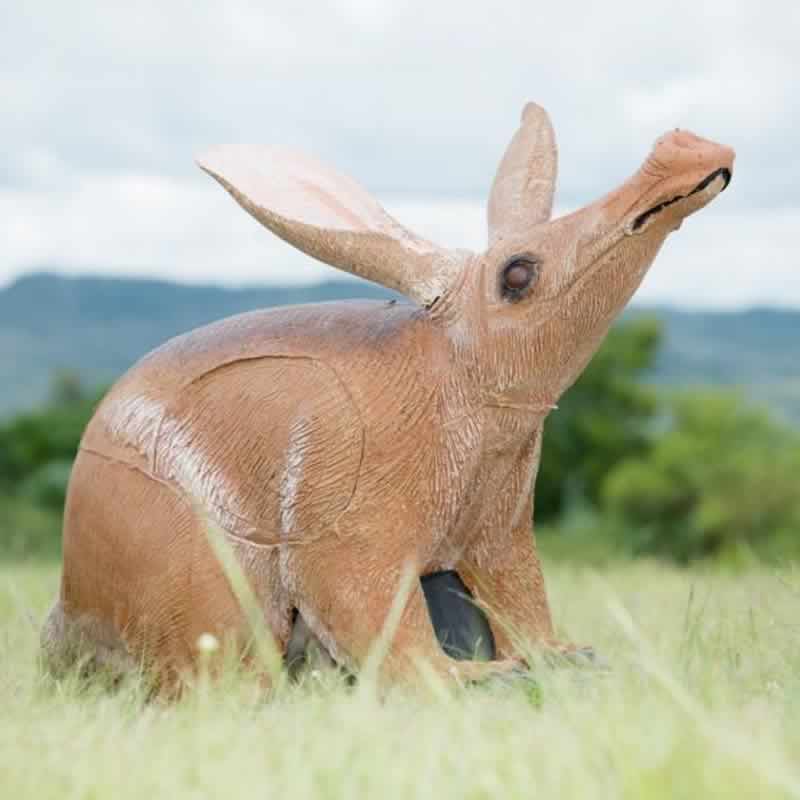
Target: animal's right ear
x=332, y=218
x=523, y=189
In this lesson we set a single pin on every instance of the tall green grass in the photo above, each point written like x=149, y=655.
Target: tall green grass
x=703, y=701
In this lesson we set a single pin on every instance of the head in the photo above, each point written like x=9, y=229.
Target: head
x=533, y=307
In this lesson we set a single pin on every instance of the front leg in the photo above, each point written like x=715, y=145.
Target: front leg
x=504, y=574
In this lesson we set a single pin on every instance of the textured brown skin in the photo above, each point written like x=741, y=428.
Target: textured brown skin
x=334, y=444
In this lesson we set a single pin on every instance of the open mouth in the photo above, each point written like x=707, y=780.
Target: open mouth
x=723, y=172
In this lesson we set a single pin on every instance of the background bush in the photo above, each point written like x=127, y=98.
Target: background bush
x=719, y=479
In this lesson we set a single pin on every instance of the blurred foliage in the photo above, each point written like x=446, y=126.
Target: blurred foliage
x=628, y=469
x=37, y=448
x=719, y=479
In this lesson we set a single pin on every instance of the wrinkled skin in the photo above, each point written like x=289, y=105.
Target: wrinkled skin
x=336, y=445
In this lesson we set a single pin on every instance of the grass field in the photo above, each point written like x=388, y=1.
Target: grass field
x=703, y=702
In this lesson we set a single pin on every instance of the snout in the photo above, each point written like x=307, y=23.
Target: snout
x=683, y=153
x=683, y=173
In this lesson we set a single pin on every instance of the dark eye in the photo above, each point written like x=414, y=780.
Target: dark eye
x=517, y=276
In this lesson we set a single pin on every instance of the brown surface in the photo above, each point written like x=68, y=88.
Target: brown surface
x=334, y=444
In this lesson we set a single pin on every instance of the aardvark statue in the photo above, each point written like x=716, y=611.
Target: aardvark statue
x=335, y=444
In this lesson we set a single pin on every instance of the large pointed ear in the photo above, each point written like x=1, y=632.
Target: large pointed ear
x=332, y=218
x=522, y=192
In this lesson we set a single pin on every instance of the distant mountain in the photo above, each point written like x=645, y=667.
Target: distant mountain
x=757, y=350
x=100, y=326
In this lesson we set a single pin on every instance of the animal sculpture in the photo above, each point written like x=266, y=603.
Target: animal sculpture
x=338, y=445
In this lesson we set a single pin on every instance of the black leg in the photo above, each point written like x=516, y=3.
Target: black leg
x=461, y=626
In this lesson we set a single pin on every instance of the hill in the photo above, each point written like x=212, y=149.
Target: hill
x=99, y=326
x=757, y=350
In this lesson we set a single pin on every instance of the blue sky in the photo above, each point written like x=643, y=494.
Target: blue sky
x=105, y=105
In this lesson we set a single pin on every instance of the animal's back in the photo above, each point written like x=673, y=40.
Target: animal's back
x=252, y=425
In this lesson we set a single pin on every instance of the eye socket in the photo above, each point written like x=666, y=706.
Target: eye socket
x=517, y=277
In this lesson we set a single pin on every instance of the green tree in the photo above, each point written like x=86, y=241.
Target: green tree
x=37, y=448
x=601, y=421
x=720, y=478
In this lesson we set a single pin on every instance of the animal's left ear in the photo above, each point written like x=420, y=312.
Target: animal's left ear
x=522, y=192
x=331, y=217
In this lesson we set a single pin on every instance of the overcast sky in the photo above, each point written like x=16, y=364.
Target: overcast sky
x=104, y=105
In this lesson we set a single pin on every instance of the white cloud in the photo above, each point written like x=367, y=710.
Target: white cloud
x=105, y=105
